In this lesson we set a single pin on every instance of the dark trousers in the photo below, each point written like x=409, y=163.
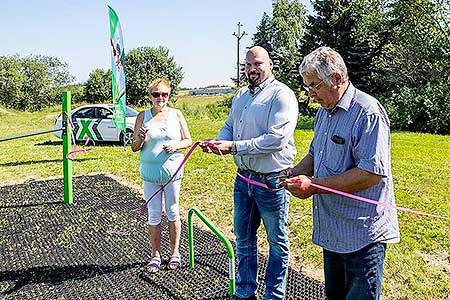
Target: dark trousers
x=356, y=275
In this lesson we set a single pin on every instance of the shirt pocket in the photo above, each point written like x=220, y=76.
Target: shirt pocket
x=336, y=156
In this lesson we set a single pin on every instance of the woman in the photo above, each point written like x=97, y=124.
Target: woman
x=160, y=133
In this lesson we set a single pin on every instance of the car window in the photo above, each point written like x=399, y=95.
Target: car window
x=84, y=113
x=103, y=113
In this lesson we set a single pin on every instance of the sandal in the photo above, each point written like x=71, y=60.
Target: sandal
x=154, y=265
x=174, y=262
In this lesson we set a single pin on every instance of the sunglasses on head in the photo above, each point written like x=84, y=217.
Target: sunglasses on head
x=157, y=94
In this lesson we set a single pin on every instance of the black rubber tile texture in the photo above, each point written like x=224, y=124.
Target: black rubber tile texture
x=51, y=250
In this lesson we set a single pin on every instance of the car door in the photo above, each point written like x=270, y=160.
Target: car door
x=105, y=125
x=83, y=120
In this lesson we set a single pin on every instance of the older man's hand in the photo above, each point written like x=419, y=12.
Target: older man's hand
x=299, y=186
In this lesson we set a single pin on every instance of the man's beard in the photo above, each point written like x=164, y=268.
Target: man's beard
x=254, y=81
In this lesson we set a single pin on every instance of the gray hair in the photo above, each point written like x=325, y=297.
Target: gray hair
x=324, y=62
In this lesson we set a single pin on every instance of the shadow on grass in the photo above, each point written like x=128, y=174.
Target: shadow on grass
x=32, y=162
x=55, y=275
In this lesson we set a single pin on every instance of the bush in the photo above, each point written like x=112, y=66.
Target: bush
x=33, y=82
x=424, y=109
x=144, y=64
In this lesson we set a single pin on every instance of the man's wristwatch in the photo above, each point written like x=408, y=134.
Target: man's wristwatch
x=233, y=149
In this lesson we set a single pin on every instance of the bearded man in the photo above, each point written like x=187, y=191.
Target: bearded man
x=259, y=133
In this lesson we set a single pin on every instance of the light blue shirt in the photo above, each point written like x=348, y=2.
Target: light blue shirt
x=157, y=166
x=262, y=124
x=354, y=134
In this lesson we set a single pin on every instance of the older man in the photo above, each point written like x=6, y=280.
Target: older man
x=350, y=152
x=259, y=133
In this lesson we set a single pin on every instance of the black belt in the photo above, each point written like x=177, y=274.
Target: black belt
x=255, y=173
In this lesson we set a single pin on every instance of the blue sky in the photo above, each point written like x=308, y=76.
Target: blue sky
x=197, y=33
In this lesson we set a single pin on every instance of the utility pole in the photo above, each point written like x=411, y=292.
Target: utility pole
x=239, y=36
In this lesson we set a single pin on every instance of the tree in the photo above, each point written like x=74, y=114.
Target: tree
x=281, y=36
x=33, y=82
x=336, y=24
x=414, y=66
x=98, y=87
x=264, y=34
x=288, y=29
x=398, y=50
x=144, y=64
x=419, y=49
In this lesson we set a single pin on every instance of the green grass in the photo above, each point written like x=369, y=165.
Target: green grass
x=416, y=268
x=198, y=99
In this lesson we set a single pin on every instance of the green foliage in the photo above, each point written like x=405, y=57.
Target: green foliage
x=264, y=34
x=98, y=87
x=33, y=82
x=423, y=109
x=396, y=50
x=281, y=36
x=144, y=64
x=227, y=100
x=418, y=52
x=335, y=24
x=76, y=91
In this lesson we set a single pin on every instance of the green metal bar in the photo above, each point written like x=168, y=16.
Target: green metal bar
x=221, y=236
x=29, y=134
x=67, y=145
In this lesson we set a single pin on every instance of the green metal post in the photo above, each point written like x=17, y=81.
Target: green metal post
x=67, y=145
x=221, y=236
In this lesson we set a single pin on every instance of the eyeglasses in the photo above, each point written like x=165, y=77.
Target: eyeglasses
x=314, y=88
x=158, y=94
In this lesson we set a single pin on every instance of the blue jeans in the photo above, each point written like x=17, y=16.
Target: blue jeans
x=251, y=204
x=356, y=275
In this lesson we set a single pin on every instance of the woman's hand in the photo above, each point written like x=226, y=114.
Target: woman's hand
x=142, y=133
x=170, y=148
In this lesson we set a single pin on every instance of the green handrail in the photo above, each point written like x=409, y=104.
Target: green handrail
x=221, y=236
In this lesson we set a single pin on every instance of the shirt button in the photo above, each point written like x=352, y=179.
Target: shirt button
x=316, y=170
x=329, y=116
x=239, y=135
x=321, y=152
x=325, y=133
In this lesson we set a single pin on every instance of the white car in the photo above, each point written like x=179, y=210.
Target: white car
x=95, y=121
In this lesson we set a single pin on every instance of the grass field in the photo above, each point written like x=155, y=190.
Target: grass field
x=416, y=268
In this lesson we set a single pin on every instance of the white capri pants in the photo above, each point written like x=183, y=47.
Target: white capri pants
x=171, y=199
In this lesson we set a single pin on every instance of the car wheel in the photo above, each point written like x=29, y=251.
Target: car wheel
x=127, y=138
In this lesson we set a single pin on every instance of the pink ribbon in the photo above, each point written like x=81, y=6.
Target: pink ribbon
x=71, y=155
x=248, y=180
x=355, y=197
x=173, y=176
x=359, y=198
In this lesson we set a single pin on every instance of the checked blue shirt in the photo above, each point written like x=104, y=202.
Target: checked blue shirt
x=355, y=133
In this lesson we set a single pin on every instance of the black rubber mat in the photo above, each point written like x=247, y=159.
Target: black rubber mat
x=51, y=250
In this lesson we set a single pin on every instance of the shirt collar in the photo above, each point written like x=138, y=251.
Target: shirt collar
x=346, y=98
x=260, y=87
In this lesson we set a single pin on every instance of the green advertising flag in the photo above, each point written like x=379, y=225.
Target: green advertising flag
x=118, y=71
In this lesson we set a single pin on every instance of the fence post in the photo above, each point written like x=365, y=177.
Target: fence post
x=67, y=144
